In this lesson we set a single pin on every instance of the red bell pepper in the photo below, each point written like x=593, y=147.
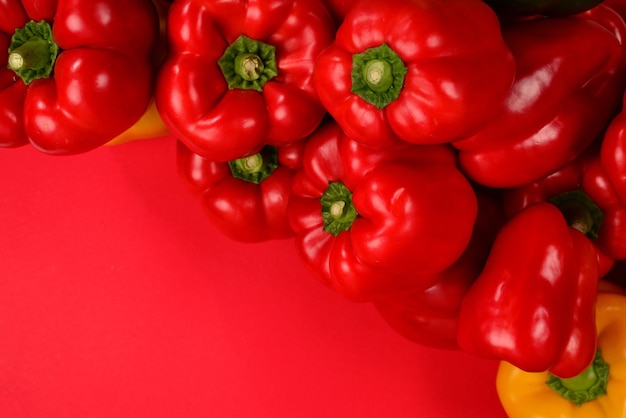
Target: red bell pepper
x=618, y=5
x=238, y=74
x=582, y=191
x=430, y=317
x=533, y=303
x=375, y=222
x=613, y=153
x=421, y=71
x=559, y=103
x=608, y=16
x=77, y=73
x=246, y=199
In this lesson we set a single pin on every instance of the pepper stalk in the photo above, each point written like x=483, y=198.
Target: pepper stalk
x=248, y=64
x=580, y=212
x=338, y=211
x=33, y=51
x=378, y=75
x=585, y=387
x=257, y=167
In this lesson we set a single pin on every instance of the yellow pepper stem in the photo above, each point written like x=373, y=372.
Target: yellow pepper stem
x=587, y=386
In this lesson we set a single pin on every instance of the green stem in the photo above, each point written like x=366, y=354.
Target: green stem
x=248, y=64
x=587, y=386
x=580, y=212
x=32, y=51
x=378, y=75
x=338, y=210
x=255, y=168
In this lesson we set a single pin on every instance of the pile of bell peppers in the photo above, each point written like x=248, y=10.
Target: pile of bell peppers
x=460, y=165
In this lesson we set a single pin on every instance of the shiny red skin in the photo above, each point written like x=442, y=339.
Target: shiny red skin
x=533, y=303
x=609, y=15
x=584, y=173
x=224, y=124
x=416, y=214
x=430, y=317
x=580, y=346
x=618, y=5
x=459, y=70
x=613, y=154
x=558, y=105
x=102, y=80
x=242, y=210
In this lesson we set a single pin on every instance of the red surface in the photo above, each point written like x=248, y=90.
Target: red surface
x=118, y=299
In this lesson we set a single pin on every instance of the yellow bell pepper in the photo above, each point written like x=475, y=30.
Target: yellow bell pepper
x=150, y=125
x=600, y=391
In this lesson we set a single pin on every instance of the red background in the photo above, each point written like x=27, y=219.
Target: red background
x=118, y=299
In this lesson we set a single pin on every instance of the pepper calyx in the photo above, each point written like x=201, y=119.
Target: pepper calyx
x=33, y=51
x=338, y=211
x=378, y=75
x=585, y=387
x=257, y=167
x=248, y=64
x=580, y=211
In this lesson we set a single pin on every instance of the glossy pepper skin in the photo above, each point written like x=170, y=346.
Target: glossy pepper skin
x=613, y=154
x=542, y=7
x=558, y=105
x=583, y=192
x=533, y=303
x=609, y=15
x=238, y=74
x=425, y=72
x=618, y=5
x=526, y=395
x=430, y=317
x=371, y=222
x=245, y=199
x=89, y=77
